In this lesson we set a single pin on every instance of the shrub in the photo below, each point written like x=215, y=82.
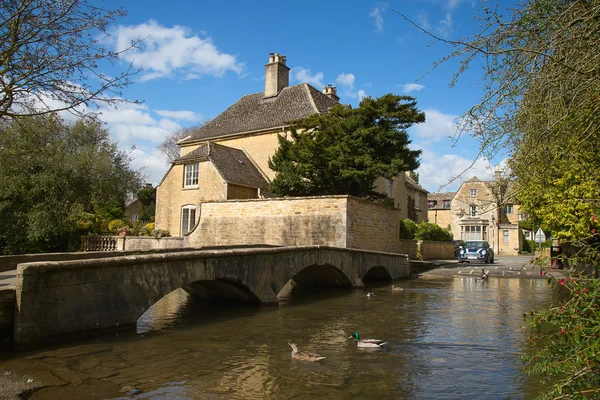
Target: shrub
x=430, y=231
x=408, y=228
x=147, y=230
x=115, y=226
x=160, y=233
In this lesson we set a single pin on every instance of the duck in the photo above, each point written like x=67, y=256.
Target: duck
x=484, y=275
x=367, y=343
x=397, y=288
x=304, y=355
x=370, y=294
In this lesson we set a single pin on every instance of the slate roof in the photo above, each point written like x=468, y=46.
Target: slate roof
x=233, y=164
x=439, y=198
x=253, y=113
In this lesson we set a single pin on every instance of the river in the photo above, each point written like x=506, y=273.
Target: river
x=447, y=339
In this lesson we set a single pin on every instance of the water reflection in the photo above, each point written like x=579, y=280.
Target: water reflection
x=447, y=339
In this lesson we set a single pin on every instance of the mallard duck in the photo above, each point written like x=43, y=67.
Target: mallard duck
x=370, y=294
x=304, y=355
x=397, y=288
x=367, y=343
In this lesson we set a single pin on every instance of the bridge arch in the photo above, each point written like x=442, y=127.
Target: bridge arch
x=377, y=273
x=326, y=275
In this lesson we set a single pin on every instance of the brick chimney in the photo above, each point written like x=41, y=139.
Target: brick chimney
x=331, y=92
x=277, y=75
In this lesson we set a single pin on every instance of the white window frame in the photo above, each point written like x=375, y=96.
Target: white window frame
x=190, y=176
x=473, y=210
x=505, y=236
x=187, y=224
x=417, y=201
x=135, y=217
x=449, y=204
x=473, y=192
x=508, y=210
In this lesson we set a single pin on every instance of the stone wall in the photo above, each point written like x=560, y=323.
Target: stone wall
x=430, y=250
x=139, y=243
x=279, y=221
x=372, y=226
x=337, y=221
x=409, y=247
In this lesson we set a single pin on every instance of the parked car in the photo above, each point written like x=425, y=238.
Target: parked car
x=476, y=250
x=458, y=244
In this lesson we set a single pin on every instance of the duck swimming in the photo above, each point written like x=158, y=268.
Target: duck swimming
x=367, y=343
x=370, y=294
x=304, y=355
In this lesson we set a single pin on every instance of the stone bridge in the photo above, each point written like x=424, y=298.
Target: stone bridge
x=58, y=299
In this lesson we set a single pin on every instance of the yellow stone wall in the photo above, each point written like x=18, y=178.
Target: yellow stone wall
x=372, y=226
x=339, y=221
x=241, y=192
x=512, y=247
x=171, y=196
x=442, y=217
x=400, y=195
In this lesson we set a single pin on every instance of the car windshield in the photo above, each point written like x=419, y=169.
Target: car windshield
x=475, y=245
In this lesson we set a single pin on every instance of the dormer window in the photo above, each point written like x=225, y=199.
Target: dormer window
x=190, y=176
x=473, y=192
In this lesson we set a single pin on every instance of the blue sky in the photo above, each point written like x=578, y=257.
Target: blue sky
x=202, y=56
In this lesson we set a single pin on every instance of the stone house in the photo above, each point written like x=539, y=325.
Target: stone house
x=228, y=157
x=438, y=208
x=473, y=213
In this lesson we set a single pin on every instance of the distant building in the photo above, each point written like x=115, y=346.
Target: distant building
x=473, y=212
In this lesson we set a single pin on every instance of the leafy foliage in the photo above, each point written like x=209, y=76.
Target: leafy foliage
x=57, y=181
x=147, y=199
x=408, y=229
x=430, y=231
x=566, y=337
x=345, y=150
x=49, y=55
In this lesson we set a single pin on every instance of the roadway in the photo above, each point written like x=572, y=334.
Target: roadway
x=503, y=266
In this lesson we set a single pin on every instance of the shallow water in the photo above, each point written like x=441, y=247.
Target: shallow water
x=447, y=339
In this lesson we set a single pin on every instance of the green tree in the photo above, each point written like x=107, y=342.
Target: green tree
x=49, y=55
x=51, y=174
x=147, y=198
x=345, y=150
x=408, y=229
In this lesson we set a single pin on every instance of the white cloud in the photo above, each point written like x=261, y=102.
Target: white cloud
x=411, y=87
x=445, y=173
x=304, y=75
x=377, y=15
x=179, y=115
x=153, y=163
x=437, y=126
x=446, y=25
x=361, y=94
x=168, y=51
x=345, y=80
